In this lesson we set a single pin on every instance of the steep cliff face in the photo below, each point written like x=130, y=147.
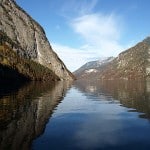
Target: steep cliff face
x=30, y=38
x=131, y=64
x=13, y=67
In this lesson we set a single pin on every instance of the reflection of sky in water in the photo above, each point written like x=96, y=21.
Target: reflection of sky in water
x=91, y=88
x=84, y=122
x=76, y=101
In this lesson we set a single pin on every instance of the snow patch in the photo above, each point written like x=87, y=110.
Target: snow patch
x=91, y=70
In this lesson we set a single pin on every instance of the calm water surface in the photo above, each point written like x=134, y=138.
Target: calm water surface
x=83, y=116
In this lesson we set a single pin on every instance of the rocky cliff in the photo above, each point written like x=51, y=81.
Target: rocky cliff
x=130, y=64
x=133, y=63
x=13, y=68
x=29, y=38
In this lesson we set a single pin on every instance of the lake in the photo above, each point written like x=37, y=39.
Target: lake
x=84, y=115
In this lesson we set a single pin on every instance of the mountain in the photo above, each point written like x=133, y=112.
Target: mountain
x=14, y=67
x=133, y=63
x=93, y=67
x=27, y=39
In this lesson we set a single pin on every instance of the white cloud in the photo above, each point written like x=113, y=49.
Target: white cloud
x=100, y=32
x=74, y=58
x=96, y=26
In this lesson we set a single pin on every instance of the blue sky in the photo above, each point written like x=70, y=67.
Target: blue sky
x=85, y=30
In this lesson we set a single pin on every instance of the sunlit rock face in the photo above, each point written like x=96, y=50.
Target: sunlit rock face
x=133, y=63
x=130, y=64
x=30, y=38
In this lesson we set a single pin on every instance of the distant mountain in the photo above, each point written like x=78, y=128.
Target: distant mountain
x=93, y=67
x=133, y=63
x=27, y=39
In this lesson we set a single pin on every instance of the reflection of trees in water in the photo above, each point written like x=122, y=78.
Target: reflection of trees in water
x=131, y=94
x=24, y=112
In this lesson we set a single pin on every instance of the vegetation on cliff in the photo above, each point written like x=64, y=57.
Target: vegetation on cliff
x=28, y=39
x=12, y=66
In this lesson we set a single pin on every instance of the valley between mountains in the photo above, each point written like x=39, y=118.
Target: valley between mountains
x=133, y=63
x=25, y=53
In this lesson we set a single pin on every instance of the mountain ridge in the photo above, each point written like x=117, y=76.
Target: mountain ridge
x=30, y=39
x=133, y=63
x=95, y=65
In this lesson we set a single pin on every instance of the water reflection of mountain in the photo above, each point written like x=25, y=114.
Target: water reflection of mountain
x=24, y=112
x=131, y=94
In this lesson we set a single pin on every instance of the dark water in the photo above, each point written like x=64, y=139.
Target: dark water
x=83, y=116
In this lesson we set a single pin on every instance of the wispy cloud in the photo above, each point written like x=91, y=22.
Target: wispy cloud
x=74, y=58
x=77, y=8
x=100, y=32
